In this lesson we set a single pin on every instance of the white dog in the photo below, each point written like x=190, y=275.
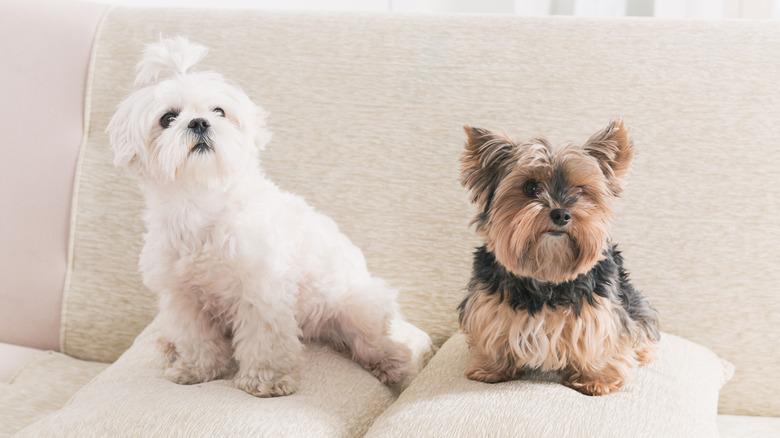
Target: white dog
x=244, y=269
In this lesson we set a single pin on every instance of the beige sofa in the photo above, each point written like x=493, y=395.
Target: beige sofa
x=367, y=111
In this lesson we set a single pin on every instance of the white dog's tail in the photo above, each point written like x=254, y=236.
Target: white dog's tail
x=172, y=55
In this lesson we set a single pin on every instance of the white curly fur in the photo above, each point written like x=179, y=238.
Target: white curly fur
x=244, y=269
x=171, y=55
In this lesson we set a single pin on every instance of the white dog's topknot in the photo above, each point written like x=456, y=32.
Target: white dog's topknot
x=171, y=55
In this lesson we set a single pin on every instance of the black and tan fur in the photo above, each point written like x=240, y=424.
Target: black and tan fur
x=548, y=289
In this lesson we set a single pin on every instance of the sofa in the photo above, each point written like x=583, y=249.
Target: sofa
x=367, y=112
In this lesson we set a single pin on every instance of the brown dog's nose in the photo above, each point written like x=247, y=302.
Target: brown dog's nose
x=560, y=217
x=199, y=126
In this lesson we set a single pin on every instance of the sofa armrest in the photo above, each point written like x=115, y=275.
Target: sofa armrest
x=45, y=47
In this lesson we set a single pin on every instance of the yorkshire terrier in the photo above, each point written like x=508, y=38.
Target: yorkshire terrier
x=548, y=288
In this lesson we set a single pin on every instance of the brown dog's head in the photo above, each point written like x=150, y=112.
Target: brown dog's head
x=543, y=210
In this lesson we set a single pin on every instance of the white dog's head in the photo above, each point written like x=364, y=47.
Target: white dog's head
x=190, y=128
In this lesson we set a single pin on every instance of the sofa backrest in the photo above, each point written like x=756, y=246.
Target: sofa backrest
x=367, y=111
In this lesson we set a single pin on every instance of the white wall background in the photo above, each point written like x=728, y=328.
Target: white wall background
x=760, y=9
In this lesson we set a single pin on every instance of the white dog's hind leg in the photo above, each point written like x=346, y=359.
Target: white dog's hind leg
x=361, y=322
x=197, y=347
x=267, y=348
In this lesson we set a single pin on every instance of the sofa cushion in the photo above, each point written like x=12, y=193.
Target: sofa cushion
x=744, y=426
x=41, y=387
x=132, y=399
x=14, y=357
x=674, y=396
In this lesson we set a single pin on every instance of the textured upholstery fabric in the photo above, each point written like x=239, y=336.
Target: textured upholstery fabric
x=43, y=73
x=336, y=398
x=737, y=426
x=14, y=357
x=367, y=112
x=675, y=396
x=41, y=387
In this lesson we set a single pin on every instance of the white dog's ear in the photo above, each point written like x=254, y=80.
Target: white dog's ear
x=126, y=133
x=251, y=117
x=262, y=134
x=171, y=55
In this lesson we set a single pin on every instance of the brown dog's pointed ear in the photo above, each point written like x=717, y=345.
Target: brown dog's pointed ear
x=613, y=148
x=484, y=162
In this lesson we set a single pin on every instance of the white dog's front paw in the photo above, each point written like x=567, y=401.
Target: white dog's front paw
x=273, y=387
x=187, y=375
x=205, y=368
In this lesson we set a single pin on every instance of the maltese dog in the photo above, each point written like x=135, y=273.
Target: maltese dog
x=244, y=270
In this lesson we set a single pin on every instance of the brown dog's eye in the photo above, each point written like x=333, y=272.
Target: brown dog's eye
x=167, y=119
x=531, y=189
x=219, y=111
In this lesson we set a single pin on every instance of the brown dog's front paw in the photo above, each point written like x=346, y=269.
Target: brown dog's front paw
x=590, y=385
x=593, y=388
x=647, y=354
x=483, y=376
x=488, y=376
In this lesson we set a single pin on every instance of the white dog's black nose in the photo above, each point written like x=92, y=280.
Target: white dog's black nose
x=199, y=126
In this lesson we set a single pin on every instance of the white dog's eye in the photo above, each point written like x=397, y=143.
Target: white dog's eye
x=167, y=119
x=219, y=111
